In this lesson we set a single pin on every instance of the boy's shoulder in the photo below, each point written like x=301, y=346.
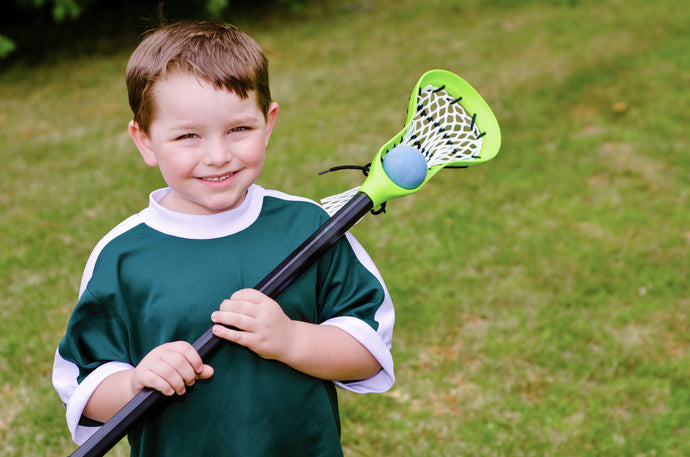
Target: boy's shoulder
x=277, y=197
x=301, y=214
x=128, y=225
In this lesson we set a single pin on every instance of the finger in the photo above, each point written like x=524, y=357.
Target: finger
x=173, y=368
x=191, y=357
x=178, y=360
x=240, y=306
x=163, y=386
x=236, y=336
x=253, y=302
x=169, y=368
x=154, y=381
x=249, y=295
x=162, y=376
x=175, y=375
x=233, y=319
x=206, y=372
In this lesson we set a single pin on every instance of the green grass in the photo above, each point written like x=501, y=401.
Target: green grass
x=542, y=298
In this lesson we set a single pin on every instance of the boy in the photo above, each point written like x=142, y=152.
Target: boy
x=203, y=115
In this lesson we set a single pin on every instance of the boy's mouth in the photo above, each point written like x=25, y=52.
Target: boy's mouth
x=218, y=178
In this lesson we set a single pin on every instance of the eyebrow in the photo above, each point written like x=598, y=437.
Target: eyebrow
x=244, y=120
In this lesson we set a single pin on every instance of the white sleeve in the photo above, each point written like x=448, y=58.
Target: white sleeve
x=75, y=395
x=379, y=341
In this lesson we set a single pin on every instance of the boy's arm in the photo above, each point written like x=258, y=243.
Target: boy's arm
x=322, y=351
x=328, y=352
x=110, y=396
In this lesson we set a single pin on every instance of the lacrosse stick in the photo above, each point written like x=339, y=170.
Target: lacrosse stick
x=448, y=125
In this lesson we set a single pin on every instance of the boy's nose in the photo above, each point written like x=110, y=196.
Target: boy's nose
x=217, y=153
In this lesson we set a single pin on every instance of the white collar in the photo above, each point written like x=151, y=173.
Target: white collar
x=202, y=227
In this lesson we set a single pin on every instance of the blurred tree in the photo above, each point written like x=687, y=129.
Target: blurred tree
x=61, y=9
x=23, y=22
x=6, y=46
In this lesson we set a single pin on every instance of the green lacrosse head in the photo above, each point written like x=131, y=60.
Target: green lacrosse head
x=448, y=122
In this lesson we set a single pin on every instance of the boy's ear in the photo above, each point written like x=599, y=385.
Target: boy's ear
x=143, y=143
x=273, y=109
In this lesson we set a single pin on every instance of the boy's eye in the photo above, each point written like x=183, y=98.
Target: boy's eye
x=187, y=136
x=238, y=129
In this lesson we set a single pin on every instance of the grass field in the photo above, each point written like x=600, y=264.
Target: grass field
x=542, y=298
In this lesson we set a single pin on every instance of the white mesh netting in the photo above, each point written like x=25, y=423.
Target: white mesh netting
x=333, y=203
x=442, y=130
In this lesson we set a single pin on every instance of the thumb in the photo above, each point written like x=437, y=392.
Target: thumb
x=205, y=373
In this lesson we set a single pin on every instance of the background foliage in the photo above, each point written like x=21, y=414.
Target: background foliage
x=542, y=298
x=64, y=16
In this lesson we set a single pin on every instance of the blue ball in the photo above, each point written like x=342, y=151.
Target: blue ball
x=405, y=166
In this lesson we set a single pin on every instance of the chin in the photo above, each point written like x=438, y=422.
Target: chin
x=223, y=205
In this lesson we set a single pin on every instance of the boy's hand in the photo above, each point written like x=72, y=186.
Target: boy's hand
x=322, y=351
x=263, y=326
x=170, y=368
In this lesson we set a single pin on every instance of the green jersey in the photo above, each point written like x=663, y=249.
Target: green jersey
x=159, y=275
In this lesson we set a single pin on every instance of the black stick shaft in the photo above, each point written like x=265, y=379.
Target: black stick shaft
x=208, y=344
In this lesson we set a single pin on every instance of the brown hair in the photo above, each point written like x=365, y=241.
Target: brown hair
x=220, y=54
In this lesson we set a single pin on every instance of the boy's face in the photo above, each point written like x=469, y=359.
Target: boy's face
x=208, y=143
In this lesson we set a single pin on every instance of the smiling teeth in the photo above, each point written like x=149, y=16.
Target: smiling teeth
x=221, y=178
